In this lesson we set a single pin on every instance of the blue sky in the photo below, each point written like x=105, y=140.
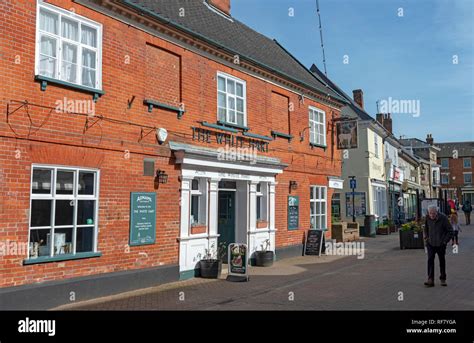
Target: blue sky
x=407, y=57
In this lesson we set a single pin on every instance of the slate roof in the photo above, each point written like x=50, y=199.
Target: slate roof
x=464, y=149
x=231, y=35
x=352, y=104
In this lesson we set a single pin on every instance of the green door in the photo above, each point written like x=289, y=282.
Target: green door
x=226, y=219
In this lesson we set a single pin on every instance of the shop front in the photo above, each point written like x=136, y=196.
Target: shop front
x=223, y=202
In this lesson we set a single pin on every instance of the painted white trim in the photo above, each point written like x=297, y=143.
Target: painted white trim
x=222, y=165
x=244, y=93
x=74, y=197
x=316, y=109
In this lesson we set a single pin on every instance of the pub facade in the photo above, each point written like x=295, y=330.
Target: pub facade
x=139, y=136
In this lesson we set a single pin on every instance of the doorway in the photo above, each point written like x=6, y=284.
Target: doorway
x=226, y=219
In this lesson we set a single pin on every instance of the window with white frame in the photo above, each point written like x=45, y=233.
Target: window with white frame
x=466, y=162
x=445, y=163
x=379, y=201
x=231, y=100
x=64, y=203
x=467, y=178
x=317, y=126
x=198, y=202
x=262, y=202
x=318, y=206
x=68, y=47
x=444, y=179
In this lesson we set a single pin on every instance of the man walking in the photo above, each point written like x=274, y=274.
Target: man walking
x=437, y=233
x=467, y=209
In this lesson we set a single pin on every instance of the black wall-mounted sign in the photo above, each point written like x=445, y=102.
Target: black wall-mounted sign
x=314, y=243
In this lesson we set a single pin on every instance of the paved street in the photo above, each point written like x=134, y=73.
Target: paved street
x=321, y=283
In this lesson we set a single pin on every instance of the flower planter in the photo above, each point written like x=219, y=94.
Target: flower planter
x=210, y=269
x=264, y=258
x=393, y=229
x=410, y=239
x=262, y=224
x=383, y=230
x=197, y=229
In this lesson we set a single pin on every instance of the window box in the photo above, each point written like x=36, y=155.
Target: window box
x=261, y=224
x=198, y=229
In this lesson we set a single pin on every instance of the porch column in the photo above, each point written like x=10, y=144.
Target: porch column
x=271, y=216
x=185, y=201
x=271, y=194
x=213, y=206
x=253, y=206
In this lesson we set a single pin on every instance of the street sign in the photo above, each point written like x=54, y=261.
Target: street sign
x=353, y=183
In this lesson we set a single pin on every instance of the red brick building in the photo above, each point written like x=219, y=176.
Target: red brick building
x=112, y=106
x=456, y=160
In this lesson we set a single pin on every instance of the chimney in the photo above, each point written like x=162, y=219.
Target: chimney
x=221, y=5
x=429, y=139
x=358, y=97
x=387, y=123
x=385, y=120
x=379, y=118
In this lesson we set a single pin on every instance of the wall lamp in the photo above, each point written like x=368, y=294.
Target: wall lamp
x=293, y=185
x=161, y=176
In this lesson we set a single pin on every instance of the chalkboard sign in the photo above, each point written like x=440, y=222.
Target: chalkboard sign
x=142, y=218
x=314, y=243
x=293, y=212
x=237, y=261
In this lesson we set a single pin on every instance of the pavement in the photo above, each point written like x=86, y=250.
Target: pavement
x=386, y=278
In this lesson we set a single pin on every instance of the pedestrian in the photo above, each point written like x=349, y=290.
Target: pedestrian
x=437, y=233
x=453, y=219
x=467, y=209
x=452, y=205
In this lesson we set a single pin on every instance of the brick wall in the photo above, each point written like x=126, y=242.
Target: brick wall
x=135, y=64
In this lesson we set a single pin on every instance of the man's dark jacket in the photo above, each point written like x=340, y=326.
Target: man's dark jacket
x=438, y=231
